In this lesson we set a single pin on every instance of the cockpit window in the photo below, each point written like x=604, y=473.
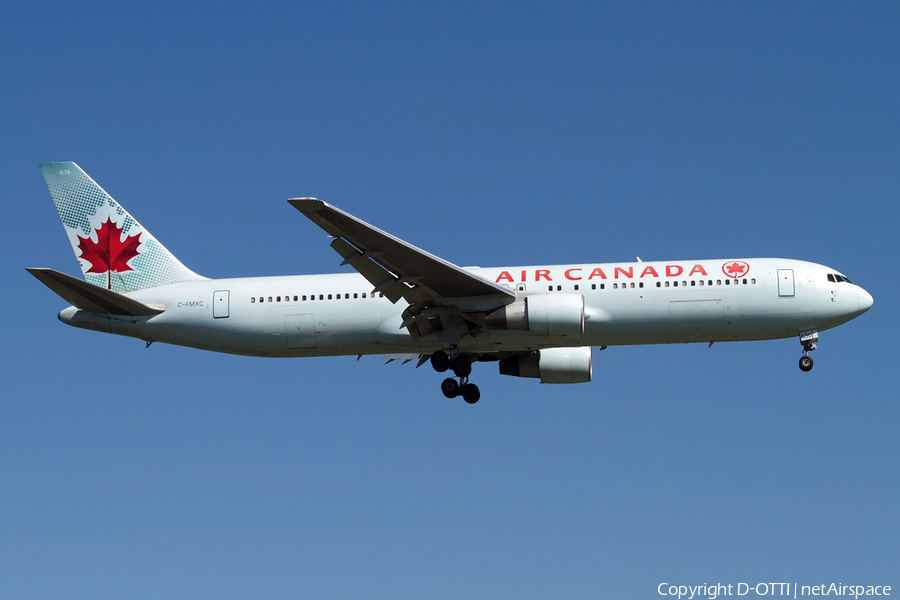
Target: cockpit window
x=835, y=278
x=831, y=278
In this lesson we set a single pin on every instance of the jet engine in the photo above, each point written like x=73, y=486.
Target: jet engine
x=552, y=365
x=542, y=314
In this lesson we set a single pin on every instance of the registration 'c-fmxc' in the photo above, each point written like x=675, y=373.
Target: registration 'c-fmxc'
x=395, y=299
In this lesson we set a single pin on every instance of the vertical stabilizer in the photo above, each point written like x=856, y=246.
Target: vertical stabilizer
x=114, y=251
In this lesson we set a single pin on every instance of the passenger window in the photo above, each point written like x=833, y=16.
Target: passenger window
x=658, y=284
x=380, y=294
x=718, y=282
x=667, y=284
x=576, y=287
x=615, y=286
x=304, y=298
x=641, y=284
x=559, y=288
x=675, y=283
x=602, y=286
x=727, y=282
x=549, y=288
x=709, y=282
x=321, y=297
x=693, y=283
x=632, y=286
x=753, y=281
x=745, y=282
x=364, y=294
x=253, y=300
x=329, y=296
x=593, y=286
x=701, y=283
x=270, y=298
x=346, y=296
x=355, y=295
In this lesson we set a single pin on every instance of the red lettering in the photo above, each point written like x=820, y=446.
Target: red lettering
x=671, y=272
x=568, y=276
x=542, y=273
x=504, y=275
x=628, y=273
x=598, y=272
x=650, y=271
x=524, y=278
x=697, y=269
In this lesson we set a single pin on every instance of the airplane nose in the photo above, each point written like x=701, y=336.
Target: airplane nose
x=865, y=300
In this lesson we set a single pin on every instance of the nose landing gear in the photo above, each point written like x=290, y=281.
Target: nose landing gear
x=462, y=368
x=808, y=340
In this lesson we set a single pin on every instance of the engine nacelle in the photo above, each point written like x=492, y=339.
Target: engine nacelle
x=552, y=365
x=542, y=314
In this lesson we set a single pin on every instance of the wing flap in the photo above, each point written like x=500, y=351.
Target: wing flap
x=86, y=296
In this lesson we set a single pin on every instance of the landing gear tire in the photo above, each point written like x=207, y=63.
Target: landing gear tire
x=461, y=366
x=450, y=388
x=440, y=361
x=470, y=393
x=806, y=363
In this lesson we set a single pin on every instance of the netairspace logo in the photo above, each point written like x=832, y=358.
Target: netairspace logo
x=713, y=591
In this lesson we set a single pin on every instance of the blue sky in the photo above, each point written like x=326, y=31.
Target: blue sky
x=500, y=134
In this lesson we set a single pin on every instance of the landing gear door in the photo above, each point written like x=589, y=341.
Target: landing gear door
x=220, y=304
x=785, y=283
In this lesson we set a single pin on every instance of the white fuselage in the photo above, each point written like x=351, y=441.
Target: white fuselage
x=625, y=303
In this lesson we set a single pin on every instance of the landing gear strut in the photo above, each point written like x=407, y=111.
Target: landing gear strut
x=462, y=368
x=808, y=340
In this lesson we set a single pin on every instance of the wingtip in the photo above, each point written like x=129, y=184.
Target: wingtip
x=307, y=205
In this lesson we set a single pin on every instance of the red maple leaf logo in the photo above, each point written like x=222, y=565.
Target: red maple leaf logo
x=109, y=253
x=735, y=269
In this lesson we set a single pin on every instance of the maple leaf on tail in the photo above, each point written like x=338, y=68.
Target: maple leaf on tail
x=109, y=253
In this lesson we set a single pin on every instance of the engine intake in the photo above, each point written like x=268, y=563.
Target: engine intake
x=552, y=365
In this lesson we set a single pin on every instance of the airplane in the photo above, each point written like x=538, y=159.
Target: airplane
x=539, y=321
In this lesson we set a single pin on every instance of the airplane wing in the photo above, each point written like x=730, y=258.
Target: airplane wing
x=394, y=267
x=442, y=296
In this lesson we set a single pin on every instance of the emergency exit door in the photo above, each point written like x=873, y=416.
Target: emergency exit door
x=785, y=283
x=220, y=304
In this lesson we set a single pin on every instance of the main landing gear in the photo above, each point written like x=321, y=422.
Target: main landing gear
x=462, y=368
x=808, y=340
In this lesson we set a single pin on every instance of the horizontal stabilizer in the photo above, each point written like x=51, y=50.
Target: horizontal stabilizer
x=86, y=296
